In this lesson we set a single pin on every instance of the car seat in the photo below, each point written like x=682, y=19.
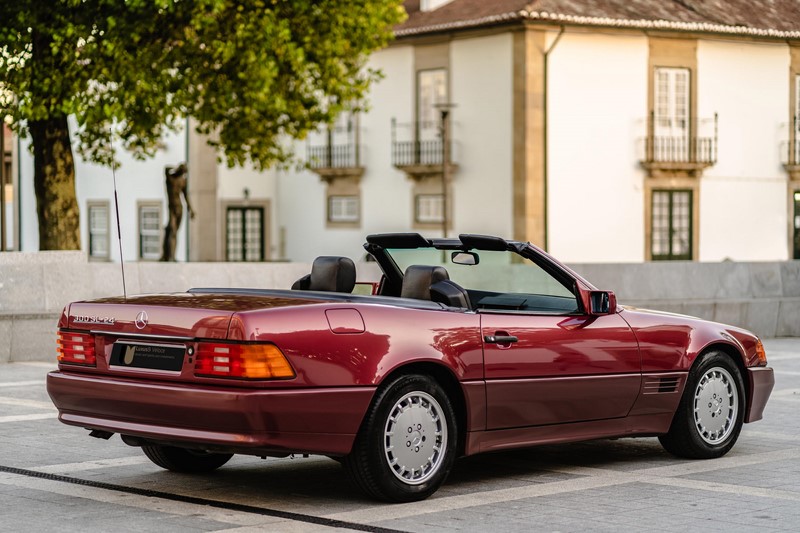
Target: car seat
x=329, y=273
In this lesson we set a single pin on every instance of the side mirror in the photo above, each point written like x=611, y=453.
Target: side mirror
x=602, y=303
x=465, y=258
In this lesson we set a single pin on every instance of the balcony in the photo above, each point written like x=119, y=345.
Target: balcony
x=417, y=149
x=682, y=154
x=332, y=161
x=335, y=153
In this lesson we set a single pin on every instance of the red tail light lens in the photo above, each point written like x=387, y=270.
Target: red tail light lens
x=76, y=348
x=246, y=361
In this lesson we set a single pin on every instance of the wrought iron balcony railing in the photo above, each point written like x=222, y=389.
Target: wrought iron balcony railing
x=407, y=153
x=332, y=156
x=417, y=144
x=790, y=150
x=690, y=148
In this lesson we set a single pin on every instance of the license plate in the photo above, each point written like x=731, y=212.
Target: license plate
x=155, y=356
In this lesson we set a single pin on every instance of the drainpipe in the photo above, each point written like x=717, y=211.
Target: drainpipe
x=18, y=191
x=2, y=183
x=546, y=136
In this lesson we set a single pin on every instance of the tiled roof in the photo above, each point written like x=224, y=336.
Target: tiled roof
x=766, y=18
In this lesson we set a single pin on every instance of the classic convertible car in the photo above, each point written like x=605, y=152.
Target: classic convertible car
x=466, y=345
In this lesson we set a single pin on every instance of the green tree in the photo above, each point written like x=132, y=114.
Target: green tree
x=249, y=72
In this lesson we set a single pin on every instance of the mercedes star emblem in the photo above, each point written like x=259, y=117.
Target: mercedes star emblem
x=141, y=320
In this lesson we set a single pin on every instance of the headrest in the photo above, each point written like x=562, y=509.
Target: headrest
x=418, y=279
x=335, y=274
x=450, y=293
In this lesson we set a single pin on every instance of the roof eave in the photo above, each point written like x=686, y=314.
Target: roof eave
x=461, y=24
x=606, y=22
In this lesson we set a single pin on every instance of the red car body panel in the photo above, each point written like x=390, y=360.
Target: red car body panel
x=585, y=375
x=250, y=421
x=760, y=381
x=533, y=382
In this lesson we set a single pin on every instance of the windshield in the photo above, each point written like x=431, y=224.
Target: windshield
x=497, y=272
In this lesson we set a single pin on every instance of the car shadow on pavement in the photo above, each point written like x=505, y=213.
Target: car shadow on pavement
x=304, y=484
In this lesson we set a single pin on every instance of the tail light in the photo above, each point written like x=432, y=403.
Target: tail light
x=246, y=361
x=76, y=348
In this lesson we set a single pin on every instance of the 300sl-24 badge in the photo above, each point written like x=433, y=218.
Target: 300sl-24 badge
x=83, y=319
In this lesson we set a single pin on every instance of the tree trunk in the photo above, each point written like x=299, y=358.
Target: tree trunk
x=54, y=183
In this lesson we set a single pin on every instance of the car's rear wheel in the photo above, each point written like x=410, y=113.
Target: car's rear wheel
x=710, y=415
x=184, y=460
x=407, y=443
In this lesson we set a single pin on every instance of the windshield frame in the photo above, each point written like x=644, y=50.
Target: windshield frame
x=379, y=247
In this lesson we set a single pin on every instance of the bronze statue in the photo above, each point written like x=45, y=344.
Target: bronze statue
x=176, y=186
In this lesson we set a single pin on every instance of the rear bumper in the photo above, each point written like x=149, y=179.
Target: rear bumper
x=760, y=381
x=319, y=421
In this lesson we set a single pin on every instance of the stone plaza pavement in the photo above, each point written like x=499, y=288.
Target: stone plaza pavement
x=56, y=478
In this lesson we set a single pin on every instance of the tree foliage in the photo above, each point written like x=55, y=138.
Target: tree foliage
x=249, y=72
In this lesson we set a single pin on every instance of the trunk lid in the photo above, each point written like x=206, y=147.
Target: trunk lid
x=163, y=337
x=184, y=315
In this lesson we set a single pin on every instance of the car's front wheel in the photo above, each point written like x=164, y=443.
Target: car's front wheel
x=184, y=460
x=407, y=443
x=711, y=412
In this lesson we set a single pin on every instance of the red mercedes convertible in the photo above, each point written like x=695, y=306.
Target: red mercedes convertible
x=466, y=345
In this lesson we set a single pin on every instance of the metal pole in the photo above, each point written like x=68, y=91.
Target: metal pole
x=2, y=184
x=329, y=148
x=357, y=134
x=445, y=166
x=716, y=136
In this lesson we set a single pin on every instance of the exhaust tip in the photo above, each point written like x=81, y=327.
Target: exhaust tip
x=98, y=434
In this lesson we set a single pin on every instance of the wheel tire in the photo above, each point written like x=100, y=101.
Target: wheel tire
x=710, y=414
x=183, y=460
x=403, y=467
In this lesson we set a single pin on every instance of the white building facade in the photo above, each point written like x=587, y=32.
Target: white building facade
x=599, y=136
x=598, y=141
x=142, y=202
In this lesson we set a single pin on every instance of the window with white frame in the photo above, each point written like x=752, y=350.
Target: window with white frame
x=150, y=231
x=343, y=208
x=428, y=208
x=98, y=230
x=431, y=90
x=672, y=120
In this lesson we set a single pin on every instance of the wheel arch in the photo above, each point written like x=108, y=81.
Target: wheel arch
x=731, y=351
x=738, y=359
x=448, y=381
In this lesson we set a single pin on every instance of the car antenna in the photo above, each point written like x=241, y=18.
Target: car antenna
x=119, y=232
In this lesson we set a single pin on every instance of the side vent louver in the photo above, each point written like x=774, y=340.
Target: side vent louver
x=661, y=385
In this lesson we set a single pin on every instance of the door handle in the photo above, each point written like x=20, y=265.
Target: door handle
x=500, y=339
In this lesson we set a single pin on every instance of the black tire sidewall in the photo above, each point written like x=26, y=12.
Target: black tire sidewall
x=183, y=460
x=701, y=448
x=391, y=487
